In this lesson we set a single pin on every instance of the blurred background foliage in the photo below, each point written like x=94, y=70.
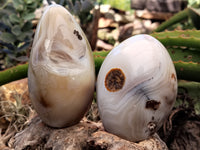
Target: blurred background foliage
x=80, y=8
x=118, y=4
x=194, y=3
x=16, y=29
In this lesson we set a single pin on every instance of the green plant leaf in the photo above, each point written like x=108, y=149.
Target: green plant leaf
x=32, y=5
x=29, y=16
x=7, y=37
x=119, y=4
x=14, y=18
x=22, y=36
x=194, y=14
x=6, y=12
x=2, y=2
x=27, y=26
x=16, y=30
x=18, y=4
x=23, y=46
x=6, y=21
x=29, y=1
x=20, y=58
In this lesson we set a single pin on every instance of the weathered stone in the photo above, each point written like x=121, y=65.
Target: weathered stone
x=85, y=135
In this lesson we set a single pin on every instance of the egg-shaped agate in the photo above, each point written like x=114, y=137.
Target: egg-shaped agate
x=136, y=88
x=61, y=75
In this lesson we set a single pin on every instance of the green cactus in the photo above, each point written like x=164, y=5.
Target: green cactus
x=14, y=73
x=182, y=15
x=192, y=12
x=183, y=47
x=183, y=38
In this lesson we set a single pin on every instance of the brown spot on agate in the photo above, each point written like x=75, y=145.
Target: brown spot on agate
x=173, y=76
x=43, y=102
x=77, y=34
x=152, y=127
x=114, y=80
x=152, y=104
x=79, y=37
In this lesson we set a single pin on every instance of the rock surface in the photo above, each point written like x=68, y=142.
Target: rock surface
x=20, y=128
x=85, y=135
